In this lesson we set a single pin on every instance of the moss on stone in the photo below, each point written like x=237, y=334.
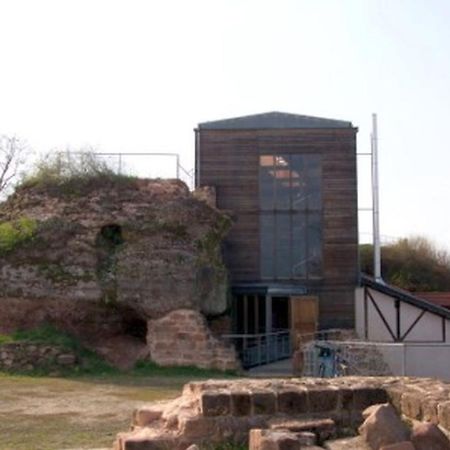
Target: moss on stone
x=16, y=232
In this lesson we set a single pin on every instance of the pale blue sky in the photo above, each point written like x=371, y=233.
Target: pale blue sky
x=139, y=75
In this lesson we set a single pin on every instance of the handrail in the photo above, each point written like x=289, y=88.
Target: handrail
x=259, y=335
x=261, y=348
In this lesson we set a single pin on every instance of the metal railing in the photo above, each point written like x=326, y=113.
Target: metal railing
x=149, y=165
x=264, y=348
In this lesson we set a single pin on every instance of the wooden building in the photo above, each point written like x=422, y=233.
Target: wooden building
x=290, y=184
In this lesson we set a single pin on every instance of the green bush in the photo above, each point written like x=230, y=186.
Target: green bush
x=414, y=264
x=15, y=232
x=61, y=166
x=72, y=173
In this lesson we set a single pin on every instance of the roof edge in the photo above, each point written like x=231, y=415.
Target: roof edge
x=275, y=120
x=405, y=296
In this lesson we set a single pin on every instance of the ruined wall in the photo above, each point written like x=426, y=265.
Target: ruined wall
x=226, y=410
x=182, y=337
x=94, y=255
x=25, y=356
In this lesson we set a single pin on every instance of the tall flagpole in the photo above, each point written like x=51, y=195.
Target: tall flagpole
x=375, y=202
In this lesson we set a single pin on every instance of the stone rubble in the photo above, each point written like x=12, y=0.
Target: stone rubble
x=383, y=427
x=26, y=357
x=281, y=412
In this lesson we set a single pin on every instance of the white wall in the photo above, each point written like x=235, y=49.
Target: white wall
x=428, y=360
x=427, y=329
x=417, y=360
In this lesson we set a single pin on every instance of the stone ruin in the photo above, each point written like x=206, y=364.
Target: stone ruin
x=132, y=267
x=297, y=413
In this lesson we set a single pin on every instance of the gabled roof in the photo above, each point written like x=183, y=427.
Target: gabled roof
x=273, y=120
x=404, y=296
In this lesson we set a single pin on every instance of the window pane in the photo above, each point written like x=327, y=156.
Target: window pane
x=267, y=230
x=299, y=262
x=314, y=245
x=299, y=193
x=283, y=246
x=266, y=182
x=282, y=182
x=314, y=173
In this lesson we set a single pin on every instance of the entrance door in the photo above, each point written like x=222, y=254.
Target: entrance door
x=304, y=316
x=280, y=314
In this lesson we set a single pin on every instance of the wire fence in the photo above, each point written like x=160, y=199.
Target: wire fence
x=148, y=165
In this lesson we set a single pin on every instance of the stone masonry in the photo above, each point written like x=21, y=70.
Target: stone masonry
x=24, y=356
x=106, y=256
x=182, y=337
x=214, y=412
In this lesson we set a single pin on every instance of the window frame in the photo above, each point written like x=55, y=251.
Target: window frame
x=268, y=208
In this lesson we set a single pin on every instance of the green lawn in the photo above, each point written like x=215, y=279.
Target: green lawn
x=84, y=407
x=45, y=413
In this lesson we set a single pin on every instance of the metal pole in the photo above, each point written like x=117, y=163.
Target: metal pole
x=178, y=166
x=375, y=203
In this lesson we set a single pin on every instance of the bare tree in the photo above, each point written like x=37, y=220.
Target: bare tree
x=13, y=152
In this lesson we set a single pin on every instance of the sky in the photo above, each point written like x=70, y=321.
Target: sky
x=139, y=75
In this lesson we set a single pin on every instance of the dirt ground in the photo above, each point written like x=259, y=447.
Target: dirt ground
x=44, y=413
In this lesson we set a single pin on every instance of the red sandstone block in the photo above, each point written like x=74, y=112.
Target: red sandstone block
x=141, y=443
x=444, y=415
x=430, y=410
x=264, y=403
x=240, y=404
x=406, y=445
x=366, y=396
x=324, y=428
x=145, y=415
x=411, y=404
x=273, y=440
x=197, y=428
x=215, y=404
x=322, y=399
x=292, y=402
x=394, y=394
x=346, y=398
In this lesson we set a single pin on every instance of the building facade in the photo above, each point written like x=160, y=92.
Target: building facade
x=289, y=183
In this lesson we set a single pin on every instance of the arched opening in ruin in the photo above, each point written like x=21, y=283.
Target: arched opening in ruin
x=110, y=236
x=133, y=325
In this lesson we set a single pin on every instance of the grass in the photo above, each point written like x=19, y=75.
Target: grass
x=93, y=365
x=84, y=408
x=65, y=413
x=45, y=413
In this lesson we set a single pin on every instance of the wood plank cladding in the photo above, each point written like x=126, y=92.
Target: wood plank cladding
x=229, y=161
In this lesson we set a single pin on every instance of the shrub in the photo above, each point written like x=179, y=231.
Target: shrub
x=414, y=264
x=16, y=232
x=63, y=166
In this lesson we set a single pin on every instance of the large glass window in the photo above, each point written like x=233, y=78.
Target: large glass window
x=290, y=216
